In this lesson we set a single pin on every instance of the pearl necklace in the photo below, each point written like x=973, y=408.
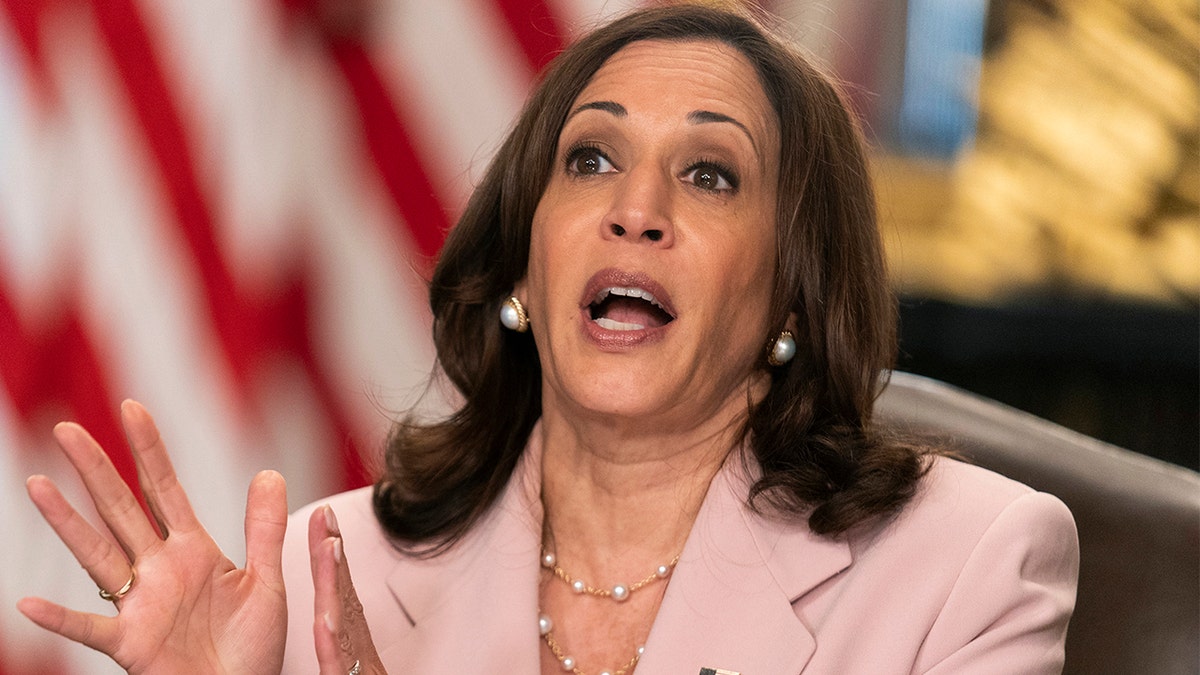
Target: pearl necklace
x=618, y=592
x=546, y=628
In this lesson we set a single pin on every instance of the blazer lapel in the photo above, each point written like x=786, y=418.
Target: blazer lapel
x=473, y=609
x=729, y=602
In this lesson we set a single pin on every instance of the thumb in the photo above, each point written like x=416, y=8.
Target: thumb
x=266, y=522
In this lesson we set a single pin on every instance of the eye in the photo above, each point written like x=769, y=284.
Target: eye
x=587, y=160
x=711, y=176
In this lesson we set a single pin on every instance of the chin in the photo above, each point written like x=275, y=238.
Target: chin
x=618, y=394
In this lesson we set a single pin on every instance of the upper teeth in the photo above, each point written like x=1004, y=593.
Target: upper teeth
x=630, y=293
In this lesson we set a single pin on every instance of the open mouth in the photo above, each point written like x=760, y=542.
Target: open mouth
x=628, y=308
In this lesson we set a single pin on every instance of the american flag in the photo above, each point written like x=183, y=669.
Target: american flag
x=226, y=209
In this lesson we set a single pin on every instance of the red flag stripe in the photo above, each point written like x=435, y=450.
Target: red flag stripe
x=536, y=28
x=58, y=367
x=26, y=17
x=392, y=151
x=537, y=31
x=250, y=329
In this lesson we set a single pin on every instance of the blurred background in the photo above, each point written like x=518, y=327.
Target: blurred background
x=226, y=209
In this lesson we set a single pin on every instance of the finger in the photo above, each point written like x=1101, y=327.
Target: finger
x=164, y=495
x=331, y=636
x=114, y=502
x=104, y=562
x=322, y=524
x=332, y=643
x=98, y=632
x=266, y=523
x=340, y=631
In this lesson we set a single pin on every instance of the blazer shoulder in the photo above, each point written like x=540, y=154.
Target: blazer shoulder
x=977, y=568
x=956, y=506
x=964, y=492
x=1012, y=595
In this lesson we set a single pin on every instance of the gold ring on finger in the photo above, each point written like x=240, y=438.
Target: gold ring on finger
x=113, y=597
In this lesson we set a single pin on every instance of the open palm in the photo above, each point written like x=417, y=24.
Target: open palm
x=189, y=608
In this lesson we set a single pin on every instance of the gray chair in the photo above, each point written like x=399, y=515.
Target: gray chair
x=1138, y=609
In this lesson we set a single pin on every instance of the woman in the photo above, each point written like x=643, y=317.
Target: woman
x=664, y=453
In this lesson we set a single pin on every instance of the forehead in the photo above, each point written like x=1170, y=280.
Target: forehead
x=682, y=77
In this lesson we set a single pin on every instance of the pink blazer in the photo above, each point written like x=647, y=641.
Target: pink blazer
x=976, y=575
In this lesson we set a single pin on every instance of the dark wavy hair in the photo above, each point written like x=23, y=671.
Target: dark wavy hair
x=811, y=433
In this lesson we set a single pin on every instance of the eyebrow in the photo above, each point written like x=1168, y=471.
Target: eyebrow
x=695, y=117
x=607, y=106
x=707, y=117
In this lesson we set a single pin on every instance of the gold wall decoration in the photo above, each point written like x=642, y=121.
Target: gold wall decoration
x=1084, y=177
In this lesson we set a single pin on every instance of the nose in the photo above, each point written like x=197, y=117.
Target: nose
x=640, y=209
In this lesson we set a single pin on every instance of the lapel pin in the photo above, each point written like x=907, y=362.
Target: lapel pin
x=718, y=671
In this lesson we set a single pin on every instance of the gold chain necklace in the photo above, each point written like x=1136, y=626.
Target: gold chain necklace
x=546, y=627
x=618, y=592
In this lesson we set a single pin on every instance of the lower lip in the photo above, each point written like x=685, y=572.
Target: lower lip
x=619, y=340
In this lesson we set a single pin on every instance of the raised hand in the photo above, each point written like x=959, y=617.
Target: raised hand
x=182, y=606
x=340, y=631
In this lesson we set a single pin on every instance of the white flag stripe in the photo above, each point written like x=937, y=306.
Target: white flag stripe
x=461, y=80
x=140, y=301
x=579, y=16
x=372, y=319
x=237, y=90
x=35, y=181
x=306, y=109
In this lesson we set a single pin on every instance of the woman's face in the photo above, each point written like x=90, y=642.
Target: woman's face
x=652, y=250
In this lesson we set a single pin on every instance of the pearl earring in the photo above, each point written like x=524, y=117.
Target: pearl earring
x=513, y=316
x=783, y=348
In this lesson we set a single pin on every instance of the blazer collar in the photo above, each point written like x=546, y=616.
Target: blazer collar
x=729, y=603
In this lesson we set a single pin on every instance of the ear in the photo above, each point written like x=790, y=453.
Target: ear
x=792, y=322
x=519, y=290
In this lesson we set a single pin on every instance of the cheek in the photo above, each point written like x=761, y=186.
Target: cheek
x=535, y=271
x=759, y=257
x=548, y=251
x=741, y=285
x=742, y=262
x=557, y=230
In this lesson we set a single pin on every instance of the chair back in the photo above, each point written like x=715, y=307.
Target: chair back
x=1138, y=609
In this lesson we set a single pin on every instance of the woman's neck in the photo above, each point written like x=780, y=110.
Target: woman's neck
x=619, y=503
